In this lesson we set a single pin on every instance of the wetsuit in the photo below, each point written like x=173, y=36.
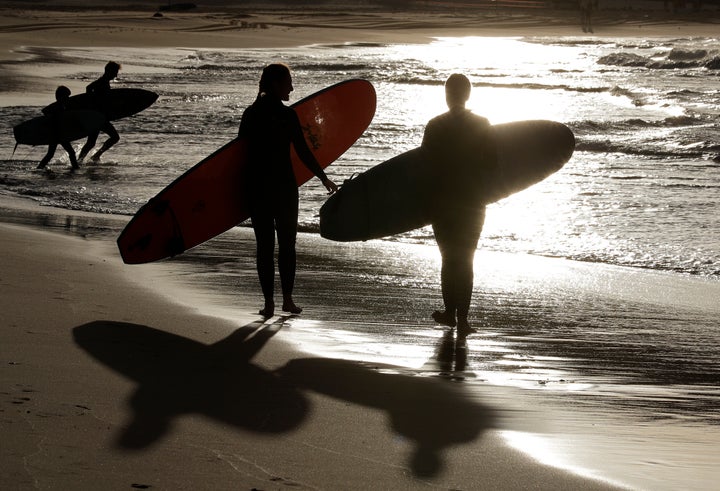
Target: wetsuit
x=271, y=127
x=100, y=89
x=461, y=150
x=55, y=111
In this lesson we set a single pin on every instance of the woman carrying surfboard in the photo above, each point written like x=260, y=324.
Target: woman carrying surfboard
x=270, y=128
x=461, y=150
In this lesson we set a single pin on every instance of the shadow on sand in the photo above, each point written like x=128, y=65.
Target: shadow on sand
x=430, y=406
x=178, y=376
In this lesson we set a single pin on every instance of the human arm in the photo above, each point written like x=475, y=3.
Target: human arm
x=306, y=156
x=244, y=127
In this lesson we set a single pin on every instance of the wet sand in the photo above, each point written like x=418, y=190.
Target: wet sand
x=112, y=379
x=119, y=375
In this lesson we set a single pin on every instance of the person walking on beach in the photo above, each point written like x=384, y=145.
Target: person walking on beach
x=100, y=90
x=270, y=128
x=55, y=112
x=586, y=9
x=461, y=150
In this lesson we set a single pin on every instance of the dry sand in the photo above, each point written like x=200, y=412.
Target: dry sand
x=110, y=380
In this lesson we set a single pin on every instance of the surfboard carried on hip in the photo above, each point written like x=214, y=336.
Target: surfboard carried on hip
x=117, y=103
x=391, y=197
x=208, y=199
x=69, y=126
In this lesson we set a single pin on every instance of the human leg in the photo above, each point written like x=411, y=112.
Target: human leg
x=262, y=224
x=71, y=154
x=465, y=269
x=447, y=273
x=48, y=156
x=89, y=144
x=287, y=222
x=110, y=130
x=457, y=234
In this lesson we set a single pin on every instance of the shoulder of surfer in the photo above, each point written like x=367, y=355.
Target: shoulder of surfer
x=98, y=86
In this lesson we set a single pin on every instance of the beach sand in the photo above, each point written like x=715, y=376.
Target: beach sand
x=111, y=379
x=119, y=377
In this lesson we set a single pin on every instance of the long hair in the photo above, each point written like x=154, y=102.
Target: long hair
x=272, y=74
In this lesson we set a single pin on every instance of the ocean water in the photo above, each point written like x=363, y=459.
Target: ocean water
x=641, y=189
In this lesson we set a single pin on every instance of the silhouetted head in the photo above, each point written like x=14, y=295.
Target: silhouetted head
x=62, y=93
x=457, y=90
x=112, y=69
x=276, y=81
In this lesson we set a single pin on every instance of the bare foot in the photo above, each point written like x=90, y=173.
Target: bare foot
x=289, y=306
x=464, y=329
x=444, y=318
x=268, y=311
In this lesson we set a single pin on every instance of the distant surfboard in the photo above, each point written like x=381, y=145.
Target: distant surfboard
x=391, y=197
x=72, y=125
x=208, y=199
x=117, y=104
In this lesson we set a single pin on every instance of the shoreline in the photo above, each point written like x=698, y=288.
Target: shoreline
x=31, y=71
x=254, y=27
x=30, y=30
x=338, y=371
x=78, y=412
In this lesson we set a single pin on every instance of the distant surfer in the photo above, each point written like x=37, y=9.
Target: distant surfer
x=461, y=149
x=271, y=128
x=55, y=112
x=100, y=90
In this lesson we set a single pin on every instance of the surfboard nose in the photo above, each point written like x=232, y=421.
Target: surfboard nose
x=565, y=144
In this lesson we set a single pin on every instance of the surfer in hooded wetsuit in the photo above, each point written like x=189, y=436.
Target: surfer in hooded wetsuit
x=461, y=149
x=100, y=90
x=270, y=128
x=55, y=111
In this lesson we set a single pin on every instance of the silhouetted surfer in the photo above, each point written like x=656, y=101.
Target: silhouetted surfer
x=55, y=112
x=100, y=90
x=271, y=128
x=461, y=149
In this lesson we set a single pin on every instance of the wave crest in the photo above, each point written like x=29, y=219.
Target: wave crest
x=676, y=58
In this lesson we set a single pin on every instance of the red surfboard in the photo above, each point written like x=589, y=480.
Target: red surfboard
x=207, y=200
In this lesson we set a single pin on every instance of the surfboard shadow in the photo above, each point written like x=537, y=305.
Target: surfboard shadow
x=431, y=412
x=177, y=376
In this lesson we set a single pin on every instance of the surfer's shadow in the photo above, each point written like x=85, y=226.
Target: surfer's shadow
x=432, y=414
x=178, y=376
